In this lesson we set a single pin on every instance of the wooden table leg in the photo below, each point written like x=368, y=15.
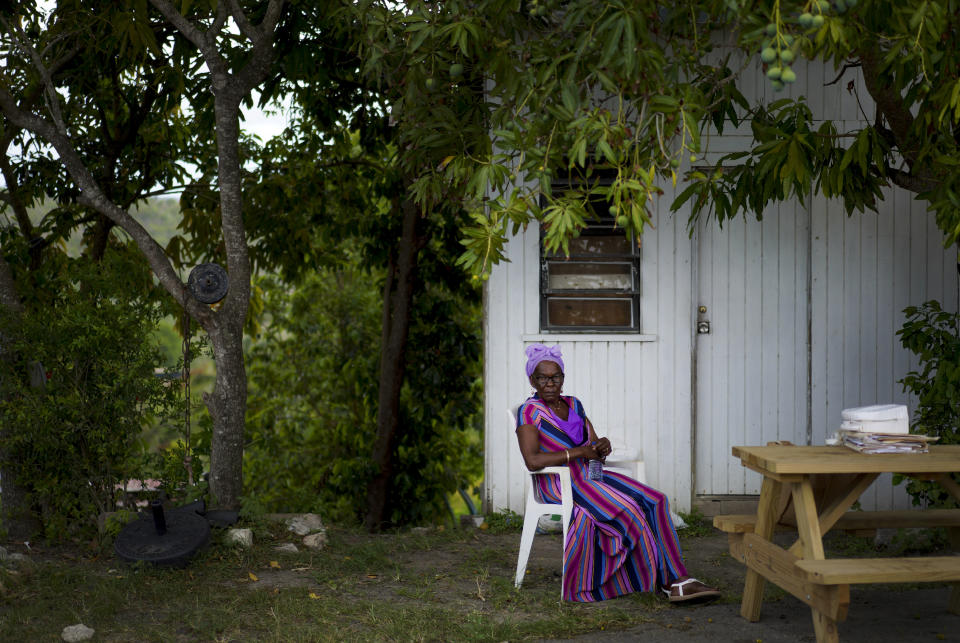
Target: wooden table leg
x=766, y=519
x=835, y=507
x=947, y=482
x=954, y=605
x=811, y=539
x=825, y=628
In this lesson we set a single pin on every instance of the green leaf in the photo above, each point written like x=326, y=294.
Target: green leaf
x=568, y=95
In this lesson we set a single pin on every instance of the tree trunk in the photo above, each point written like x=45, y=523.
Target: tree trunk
x=17, y=519
x=227, y=405
x=228, y=401
x=397, y=302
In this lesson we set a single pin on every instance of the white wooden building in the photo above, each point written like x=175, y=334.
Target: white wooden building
x=802, y=307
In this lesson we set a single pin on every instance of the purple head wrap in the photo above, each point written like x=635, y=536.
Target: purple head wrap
x=537, y=353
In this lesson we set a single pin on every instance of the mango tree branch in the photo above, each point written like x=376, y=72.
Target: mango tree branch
x=93, y=196
x=890, y=103
x=52, y=98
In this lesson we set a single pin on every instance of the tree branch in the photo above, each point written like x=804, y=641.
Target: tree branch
x=247, y=29
x=52, y=98
x=184, y=26
x=890, y=103
x=93, y=196
x=912, y=182
x=253, y=73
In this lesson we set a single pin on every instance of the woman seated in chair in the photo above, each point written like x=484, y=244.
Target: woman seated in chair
x=621, y=537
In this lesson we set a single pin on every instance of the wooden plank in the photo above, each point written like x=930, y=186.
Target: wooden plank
x=821, y=426
x=680, y=429
x=767, y=516
x=735, y=523
x=744, y=402
x=768, y=339
x=825, y=628
x=855, y=520
x=808, y=523
x=834, y=312
x=752, y=398
x=954, y=605
x=780, y=567
x=798, y=460
x=843, y=499
x=842, y=571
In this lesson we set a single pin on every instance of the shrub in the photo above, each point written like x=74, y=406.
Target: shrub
x=73, y=439
x=933, y=335
x=311, y=415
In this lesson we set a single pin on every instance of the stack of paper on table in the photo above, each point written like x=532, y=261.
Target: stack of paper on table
x=881, y=428
x=885, y=442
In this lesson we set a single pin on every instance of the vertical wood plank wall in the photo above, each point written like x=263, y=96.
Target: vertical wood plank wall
x=635, y=388
x=784, y=366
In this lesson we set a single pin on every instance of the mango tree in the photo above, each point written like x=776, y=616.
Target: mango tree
x=228, y=50
x=631, y=88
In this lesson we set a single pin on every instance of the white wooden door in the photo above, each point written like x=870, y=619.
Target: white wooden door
x=750, y=369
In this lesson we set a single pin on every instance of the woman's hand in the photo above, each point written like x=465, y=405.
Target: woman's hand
x=603, y=447
x=592, y=451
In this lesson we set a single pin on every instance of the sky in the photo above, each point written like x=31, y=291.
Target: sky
x=264, y=125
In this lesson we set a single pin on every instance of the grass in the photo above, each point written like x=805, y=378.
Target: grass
x=697, y=525
x=451, y=585
x=419, y=585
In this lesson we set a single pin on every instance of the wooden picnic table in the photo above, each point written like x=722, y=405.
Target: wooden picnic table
x=810, y=490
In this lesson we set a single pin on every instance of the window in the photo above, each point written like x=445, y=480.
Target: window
x=596, y=287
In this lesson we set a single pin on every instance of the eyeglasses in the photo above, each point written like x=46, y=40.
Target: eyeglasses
x=542, y=380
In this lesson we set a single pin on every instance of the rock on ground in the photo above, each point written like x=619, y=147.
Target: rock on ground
x=304, y=524
x=242, y=537
x=316, y=541
x=78, y=632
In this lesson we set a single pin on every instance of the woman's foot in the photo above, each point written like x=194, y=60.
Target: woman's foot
x=690, y=590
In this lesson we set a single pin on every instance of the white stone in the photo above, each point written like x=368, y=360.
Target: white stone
x=78, y=632
x=304, y=524
x=287, y=548
x=17, y=557
x=316, y=541
x=548, y=524
x=242, y=537
x=678, y=522
x=4, y=554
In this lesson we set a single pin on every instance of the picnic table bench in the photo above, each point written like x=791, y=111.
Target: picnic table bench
x=809, y=490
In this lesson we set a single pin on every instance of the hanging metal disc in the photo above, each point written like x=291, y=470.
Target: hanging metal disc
x=170, y=541
x=208, y=283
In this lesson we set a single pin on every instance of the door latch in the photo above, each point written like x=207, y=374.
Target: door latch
x=703, y=325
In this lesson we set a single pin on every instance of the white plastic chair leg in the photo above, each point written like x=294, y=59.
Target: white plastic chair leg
x=526, y=543
x=532, y=512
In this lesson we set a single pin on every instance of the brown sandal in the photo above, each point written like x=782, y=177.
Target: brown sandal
x=686, y=594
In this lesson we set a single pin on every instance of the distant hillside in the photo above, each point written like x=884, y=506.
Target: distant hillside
x=159, y=216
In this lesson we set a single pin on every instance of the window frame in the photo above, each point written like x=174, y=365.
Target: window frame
x=602, y=225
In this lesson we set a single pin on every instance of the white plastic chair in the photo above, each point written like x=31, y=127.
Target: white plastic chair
x=623, y=459
x=627, y=461
x=534, y=509
x=531, y=516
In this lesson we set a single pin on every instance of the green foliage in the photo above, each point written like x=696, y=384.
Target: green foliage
x=115, y=521
x=313, y=399
x=698, y=525
x=898, y=49
x=933, y=335
x=504, y=521
x=637, y=88
x=74, y=439
x=312, y=396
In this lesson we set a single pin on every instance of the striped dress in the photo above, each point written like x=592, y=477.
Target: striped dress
x=621, y=537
